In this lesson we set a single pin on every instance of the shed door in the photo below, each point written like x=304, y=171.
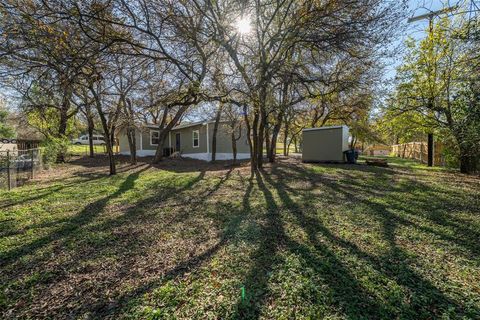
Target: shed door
x=177, y=142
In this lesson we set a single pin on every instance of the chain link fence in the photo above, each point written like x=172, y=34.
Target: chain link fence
x=18, y=166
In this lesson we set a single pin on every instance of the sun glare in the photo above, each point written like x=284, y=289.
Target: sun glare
x=243, y=25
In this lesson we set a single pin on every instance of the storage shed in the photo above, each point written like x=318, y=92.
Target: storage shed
x=325, y=144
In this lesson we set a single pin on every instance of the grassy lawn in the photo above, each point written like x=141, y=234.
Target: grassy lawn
x=189, y=240
x=279, y=148
x=80, y=149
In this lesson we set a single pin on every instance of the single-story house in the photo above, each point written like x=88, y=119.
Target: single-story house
x=191, y=140
x=325, y=144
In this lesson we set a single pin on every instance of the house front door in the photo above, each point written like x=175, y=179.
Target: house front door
x=177, y=142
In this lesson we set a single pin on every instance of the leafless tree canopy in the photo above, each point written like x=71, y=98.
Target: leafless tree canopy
x=281, y=63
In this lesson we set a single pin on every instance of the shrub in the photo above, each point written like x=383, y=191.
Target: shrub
x=52, y=148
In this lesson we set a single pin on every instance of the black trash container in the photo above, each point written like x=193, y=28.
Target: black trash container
x=350, y=155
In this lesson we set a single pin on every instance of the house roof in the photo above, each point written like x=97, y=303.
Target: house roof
x=183, y=125
x=23, y=130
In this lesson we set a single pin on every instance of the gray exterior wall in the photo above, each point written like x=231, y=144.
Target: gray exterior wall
x=186, y=139
x=224, y=142
x=123, y=141
x=146, y=141
x=325, y=145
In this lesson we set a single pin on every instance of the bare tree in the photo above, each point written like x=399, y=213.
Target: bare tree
x=43, y=58
x=166, y=31
x=282, y=29
x=235, y=124
x=84, y=101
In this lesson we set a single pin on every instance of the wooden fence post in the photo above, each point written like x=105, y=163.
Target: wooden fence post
x=430, y=150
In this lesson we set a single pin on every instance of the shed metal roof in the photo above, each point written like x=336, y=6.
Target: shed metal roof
x=325, y=128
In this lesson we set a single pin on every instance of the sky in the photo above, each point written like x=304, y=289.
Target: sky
x=416, y=29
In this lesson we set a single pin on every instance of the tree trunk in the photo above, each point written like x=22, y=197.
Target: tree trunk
x=111, y=158
x=273, y=142
x=90, y=142
x=353, y=142
x=234, y=147
x=165, y=131
x=260, y=140
x=273, y=148
x=108, y=143
x=267, y=142
x=132, y=144
x=468, y=162
x=91, y=127
x=249, y=136
x=465, y=163
x=62, y=128
x=292, y=139
x=285, y=139
x=130, y=130
x=254, y=154
x=108, y=133
x=215, y=130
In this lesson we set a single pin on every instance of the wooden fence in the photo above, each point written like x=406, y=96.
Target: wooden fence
x=419, y=151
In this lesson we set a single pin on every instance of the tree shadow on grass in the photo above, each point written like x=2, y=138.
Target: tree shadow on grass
x=265, y=257
x=73, y=224
x=44, y=192
x=426, y=299
x=437, y=206
x=126, y=247
x=130, y=299
x=23, y=198
x=77, y=178
x=178, y=165
x=69, y=241
x=430, y=204
x=130, y=244
x=351, y=297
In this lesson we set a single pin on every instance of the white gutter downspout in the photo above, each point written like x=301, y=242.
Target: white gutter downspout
x=141, y=140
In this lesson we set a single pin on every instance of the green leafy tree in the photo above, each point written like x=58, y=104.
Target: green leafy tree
x=435, y=87
x=5, y=130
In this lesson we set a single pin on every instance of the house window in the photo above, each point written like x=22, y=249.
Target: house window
x=154, y=137
x=196, y=139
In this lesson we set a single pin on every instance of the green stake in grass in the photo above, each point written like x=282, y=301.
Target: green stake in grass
x=243, y=293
